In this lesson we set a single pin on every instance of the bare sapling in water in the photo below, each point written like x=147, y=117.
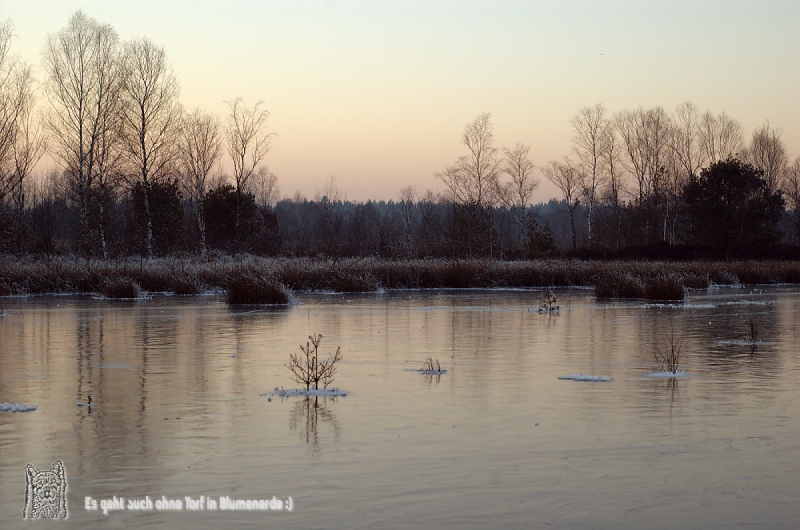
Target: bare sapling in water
x=670, y=357
x=308, y=369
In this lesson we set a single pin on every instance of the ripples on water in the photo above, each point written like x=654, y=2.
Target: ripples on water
x=177, y=402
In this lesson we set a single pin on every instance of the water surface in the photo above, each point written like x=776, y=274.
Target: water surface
x=180, y=393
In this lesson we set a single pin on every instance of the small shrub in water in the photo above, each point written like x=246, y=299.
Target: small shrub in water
x=308, y=369
x=548, y=302
x=669, y=359
x=751, y=331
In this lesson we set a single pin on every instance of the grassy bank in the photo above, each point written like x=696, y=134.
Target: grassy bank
x=186, y=275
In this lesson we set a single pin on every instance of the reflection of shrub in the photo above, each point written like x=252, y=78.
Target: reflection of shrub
x=123, y=287
x=308, y=369
x=247, y=289
x=669, y=359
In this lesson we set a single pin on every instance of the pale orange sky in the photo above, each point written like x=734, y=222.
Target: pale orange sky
x=377, y=93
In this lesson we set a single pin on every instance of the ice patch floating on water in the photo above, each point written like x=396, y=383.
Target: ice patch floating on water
x=432, y=372
x=666, y=375
x=680, y=306
x=293, y=392
x=16, y=407
x=590, y=378
x=742, y=342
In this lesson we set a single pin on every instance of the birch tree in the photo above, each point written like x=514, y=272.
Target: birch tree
x=567, y=177
x=518, y=192
x=82, y=87
x=767, y=152
x=200, y=150
x=247, y=142
x=590, y=126
x=150, y=117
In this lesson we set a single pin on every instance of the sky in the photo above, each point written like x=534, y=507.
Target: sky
x=377, y=93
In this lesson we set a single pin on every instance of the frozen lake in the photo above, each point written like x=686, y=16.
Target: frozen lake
x=179, y=389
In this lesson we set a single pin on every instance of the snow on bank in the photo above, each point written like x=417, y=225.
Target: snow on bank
x=292, y=392
x=668, y=375
x=16, y=407
x=581, y=377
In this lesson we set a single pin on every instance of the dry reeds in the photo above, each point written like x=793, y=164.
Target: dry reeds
x=122, y=287
x=251, y=290
x=630, y=279
x=431, y=366
x=669, y=359
x=308, y=369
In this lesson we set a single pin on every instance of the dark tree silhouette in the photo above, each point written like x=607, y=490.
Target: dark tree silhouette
x=730, y=206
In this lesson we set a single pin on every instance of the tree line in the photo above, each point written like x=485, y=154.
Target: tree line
x=139, y=174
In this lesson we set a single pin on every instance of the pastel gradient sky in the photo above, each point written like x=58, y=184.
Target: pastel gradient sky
x=377, y=93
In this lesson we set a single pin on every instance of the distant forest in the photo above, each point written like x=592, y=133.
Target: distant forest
x=137, y=174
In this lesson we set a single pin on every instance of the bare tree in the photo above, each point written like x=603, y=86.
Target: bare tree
x=408, y=197
x=9, y=107
x=645, y=135
x=614, y=178
x=590, y=126
x=474, y=178
x=686, y=139
x=264, y=187
x=768, y=153
x=517, y=193
x=720, y=137
x=791, y=189
x=83, y=83
x=200, y=147
x=567, y=178
x=247, y=143
x=150, y=119
x=29, y=143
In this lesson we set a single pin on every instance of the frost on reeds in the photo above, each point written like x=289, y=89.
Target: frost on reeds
x=308, y=369
x=669, y=357
x=630, y=279
x=252, y=289
x=431, y=367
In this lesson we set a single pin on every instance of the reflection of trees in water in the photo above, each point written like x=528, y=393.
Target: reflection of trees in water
x=310, y=414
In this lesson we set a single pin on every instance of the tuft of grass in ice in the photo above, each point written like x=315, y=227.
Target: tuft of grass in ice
x=431, y=367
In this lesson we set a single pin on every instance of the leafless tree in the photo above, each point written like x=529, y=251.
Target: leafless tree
x=767, y=152
x=614, y=177
x=686, y=139
x=791, y=189
x=200, y=147
x=590, y=126
x=517, y=194
x=83, y=82
x=568, y=178
x=645, y=136
x=720, y=137
x=474, y=178
x=9, y=107
x=150, y=116
x=264, y=187
x=29, y=143
x=247, y=143
x=408, y=198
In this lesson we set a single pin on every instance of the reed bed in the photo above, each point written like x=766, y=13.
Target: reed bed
x=189, y=275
